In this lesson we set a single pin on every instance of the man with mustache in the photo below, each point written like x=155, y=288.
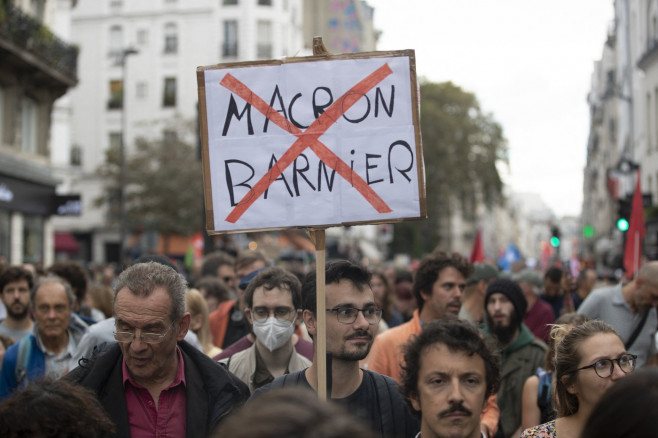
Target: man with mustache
x=15, y=285
x=449, y=372
x=351, y=324
x=438, y=288
x=521, y=352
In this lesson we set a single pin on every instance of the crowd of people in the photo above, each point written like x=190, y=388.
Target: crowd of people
x=447, y=349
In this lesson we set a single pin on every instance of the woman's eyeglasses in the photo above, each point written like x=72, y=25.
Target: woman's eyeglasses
x=605, y=367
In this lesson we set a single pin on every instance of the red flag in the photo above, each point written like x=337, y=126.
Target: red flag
x=636, y=232
x=477, y=253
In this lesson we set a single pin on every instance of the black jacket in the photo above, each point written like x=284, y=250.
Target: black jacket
x=211, y=391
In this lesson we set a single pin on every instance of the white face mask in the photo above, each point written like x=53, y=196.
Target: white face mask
x=273, y=333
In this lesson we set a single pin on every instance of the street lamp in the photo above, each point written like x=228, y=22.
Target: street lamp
x=125, y=53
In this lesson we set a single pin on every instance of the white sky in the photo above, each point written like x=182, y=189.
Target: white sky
x=529, y=63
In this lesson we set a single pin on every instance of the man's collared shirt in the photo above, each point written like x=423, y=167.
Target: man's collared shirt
x=168, y=420
x=57, y=364
x=262, y=375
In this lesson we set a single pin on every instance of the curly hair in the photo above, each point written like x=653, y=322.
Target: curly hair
x=50, y=408
x=458, y=336
x=15, y=273
x=430, y=267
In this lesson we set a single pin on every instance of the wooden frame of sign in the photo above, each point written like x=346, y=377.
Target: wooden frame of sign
x=312, y=142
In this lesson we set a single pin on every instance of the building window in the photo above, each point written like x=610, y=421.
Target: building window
x=115, y=140
x=143, y=37
x=37, y=8
x=229, y=2
x=116, y=40
x=169, y=137
x=32, y=239
x=169, y=92
x=116, y=95
x=171, y=38
x=264, y=39
x=76, y=155
x=142, y=90
x=230, y=47
x=29, y=126
x=264, y=2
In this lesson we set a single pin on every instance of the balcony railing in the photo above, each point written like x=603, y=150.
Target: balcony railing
x=29, y=34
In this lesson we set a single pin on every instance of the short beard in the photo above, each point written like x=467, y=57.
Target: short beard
x=354, y=356
x=13, y=315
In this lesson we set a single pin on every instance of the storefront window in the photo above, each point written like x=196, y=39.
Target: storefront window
x=32, y=239
x=5, y=234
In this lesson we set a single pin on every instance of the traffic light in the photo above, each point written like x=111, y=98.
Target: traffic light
x=623, y=214
x=555, y=236
x=588, y=231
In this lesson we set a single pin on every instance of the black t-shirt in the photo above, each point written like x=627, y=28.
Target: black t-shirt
x=376, y=401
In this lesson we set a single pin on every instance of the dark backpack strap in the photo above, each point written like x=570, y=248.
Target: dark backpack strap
x=24, y=352
x=544, y=394
x=637, y=330
x=384, y=391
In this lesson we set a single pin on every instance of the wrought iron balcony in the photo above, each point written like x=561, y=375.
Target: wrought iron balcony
x=20, y=32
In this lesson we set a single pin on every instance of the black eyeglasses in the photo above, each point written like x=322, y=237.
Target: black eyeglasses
x=605, y=367
x=347, y=315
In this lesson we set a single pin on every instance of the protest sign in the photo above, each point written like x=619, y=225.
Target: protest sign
x=311, y=142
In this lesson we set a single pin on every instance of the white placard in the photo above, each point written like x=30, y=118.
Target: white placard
x=311, y=143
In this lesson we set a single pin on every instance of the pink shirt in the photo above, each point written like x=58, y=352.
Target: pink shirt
x=168, y=420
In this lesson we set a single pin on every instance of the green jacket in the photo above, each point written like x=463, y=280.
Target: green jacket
x=519, y=361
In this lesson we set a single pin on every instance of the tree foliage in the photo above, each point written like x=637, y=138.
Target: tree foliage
x=461, y=147
x=164, y=186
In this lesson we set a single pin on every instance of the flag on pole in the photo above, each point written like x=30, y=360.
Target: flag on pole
x=636, y=232
x=477, y=253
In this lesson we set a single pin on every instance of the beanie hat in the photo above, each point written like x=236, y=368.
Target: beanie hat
x=512, y=291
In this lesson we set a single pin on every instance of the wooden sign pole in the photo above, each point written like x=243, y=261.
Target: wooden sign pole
x=318, y=238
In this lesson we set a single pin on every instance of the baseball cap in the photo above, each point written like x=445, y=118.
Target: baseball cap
x=482, y=271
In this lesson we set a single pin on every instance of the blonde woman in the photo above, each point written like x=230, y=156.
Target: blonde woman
x=199, y=323
x=536, y=405
x=589, y=359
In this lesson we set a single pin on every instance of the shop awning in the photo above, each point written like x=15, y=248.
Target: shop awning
x=65, y=242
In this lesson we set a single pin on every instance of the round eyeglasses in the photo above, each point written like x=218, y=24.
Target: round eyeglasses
x=605, y=367
x=147, y=338
x=347, y=315
x=262, y=313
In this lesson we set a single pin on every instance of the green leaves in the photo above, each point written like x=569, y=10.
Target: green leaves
x=462, y=147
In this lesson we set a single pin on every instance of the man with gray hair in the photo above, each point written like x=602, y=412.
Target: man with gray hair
x=55, y=335
x=152, y=379
x=539, y=314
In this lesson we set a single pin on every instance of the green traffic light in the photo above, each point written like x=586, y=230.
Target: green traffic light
x=555, y=241
x=588, y=231
x=622, y=224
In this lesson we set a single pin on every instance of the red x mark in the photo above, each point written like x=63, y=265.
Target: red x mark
x=308, y=138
